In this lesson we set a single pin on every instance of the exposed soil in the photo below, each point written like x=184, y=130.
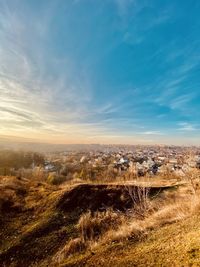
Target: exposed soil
x=100, y=197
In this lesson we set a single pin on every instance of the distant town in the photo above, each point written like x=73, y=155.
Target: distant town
x=135, y=160
x=104, y=163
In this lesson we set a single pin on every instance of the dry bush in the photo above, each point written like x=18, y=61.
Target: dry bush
x=193, y=177
x=133, y=230
x=74, y=246
x=55, y=179
x=92, y=226
x=140, y=198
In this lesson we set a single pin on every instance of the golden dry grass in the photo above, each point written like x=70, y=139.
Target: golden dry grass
x=91, y=226
x=168, y=235
x=53, y=234
x=103, y=228
x=176, y=245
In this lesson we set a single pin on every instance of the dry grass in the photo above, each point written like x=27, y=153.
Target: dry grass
x=73, y=246
x=168, y=213
x=93, y=225
x=93, y=230
x=101, y=228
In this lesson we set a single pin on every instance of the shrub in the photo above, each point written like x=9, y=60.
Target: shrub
x=74, y=246
x=92, y=226
x=133, y=230
x=140, y=198
x=55, y=179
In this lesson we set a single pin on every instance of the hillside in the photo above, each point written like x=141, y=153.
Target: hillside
x=38, y=221
x=177, y=244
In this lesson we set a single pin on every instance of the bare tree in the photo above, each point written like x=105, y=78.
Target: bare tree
x=140, y=198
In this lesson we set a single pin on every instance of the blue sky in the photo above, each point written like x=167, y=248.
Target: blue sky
x=93, y=71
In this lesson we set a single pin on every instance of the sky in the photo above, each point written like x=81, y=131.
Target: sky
x=93, y=71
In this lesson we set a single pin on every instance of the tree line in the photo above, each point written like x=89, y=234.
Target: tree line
x=19, y=159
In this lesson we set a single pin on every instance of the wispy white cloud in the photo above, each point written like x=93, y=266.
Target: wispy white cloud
x=185, y=126
x=32, y=99
x=180, y=101
x=132, y=11
x=152, y=133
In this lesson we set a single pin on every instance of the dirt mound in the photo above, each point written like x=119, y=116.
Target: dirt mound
x=100, y=197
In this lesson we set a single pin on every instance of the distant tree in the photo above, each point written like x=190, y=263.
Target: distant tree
x=19, y=159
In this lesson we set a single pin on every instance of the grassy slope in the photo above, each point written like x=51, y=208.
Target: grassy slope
x=177, y=244
x=32, y=236
x=38, y=219
x=33, y=233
